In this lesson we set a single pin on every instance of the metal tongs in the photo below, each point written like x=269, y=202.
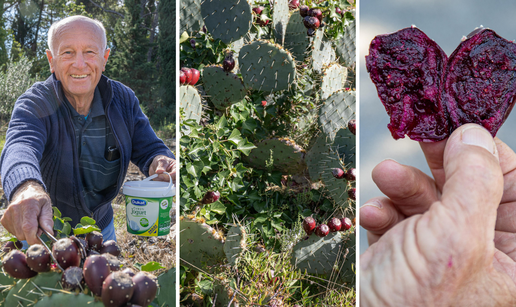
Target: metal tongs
x=48, y=249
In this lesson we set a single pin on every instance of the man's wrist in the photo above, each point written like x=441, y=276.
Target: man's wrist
x=28, y=185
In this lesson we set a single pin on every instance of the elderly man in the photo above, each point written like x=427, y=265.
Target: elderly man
x=71, y=137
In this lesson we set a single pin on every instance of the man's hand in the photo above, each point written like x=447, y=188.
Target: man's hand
x=450, y=255
x=29, y=209
x=162, y=164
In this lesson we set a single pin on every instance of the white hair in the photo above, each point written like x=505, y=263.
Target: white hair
x=56, y=27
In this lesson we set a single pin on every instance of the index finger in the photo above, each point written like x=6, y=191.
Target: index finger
x=434, y=153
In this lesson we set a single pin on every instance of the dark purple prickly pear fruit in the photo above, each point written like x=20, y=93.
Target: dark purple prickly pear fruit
x=480, y=84
x=352, y=193
x=293, y=4
x=210, y=197
x=346, y=223
x=81, y=246
x=192, y=43
x=309, y=225
x=38, y=258
x=317, y=13
x=262, y=23
x=182, y=77
x=352, y=126
x=351, y=174
x=95, y=270
x=117, y=289
x=338, y=173
x=111, y=247
x=310, y=32
x=411, y=96
x=92, y=252
x=258, y=10
x=338, y=10
x=311, y=22
x=188, y=74
x=129, y=272
x=145, y=288
x=114, y=263
x=228, y=64
x=66, y=253
x=15, y=264
x=334, y=224
x=303, y=10
x=94, y=240
x=12, y=245
x=322, y=230
x=73, y=278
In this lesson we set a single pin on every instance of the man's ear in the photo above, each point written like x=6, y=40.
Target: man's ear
x=106, y=56
x=50, y=57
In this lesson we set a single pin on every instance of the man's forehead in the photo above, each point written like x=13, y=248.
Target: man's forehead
x=79, y=28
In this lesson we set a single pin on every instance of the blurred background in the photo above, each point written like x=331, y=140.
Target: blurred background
x=444, y=21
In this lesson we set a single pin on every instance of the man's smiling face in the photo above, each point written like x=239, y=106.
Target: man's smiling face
x=78, y=59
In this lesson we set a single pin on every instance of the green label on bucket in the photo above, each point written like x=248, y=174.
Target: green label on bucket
x=148, y=216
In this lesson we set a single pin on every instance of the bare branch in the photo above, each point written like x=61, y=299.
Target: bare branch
x=106, y=10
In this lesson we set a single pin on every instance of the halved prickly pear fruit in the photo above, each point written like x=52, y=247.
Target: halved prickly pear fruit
x=334, y=224
x=73, y=278
x=12, y=245
x=95, y=270
x=94, y=240
x=38, y=258
x=114, y=263
x=309, y=225
x=15, y=264
x=111, y=247
x=66, y=253
x=117, y=289
x=145, y=288
x=322, y=230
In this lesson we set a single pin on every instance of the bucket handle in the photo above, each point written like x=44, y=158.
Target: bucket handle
x=156, y=175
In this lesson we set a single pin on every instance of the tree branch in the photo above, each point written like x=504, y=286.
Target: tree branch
x=106, y=10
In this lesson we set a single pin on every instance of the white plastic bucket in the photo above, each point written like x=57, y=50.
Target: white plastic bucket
x=147, y=206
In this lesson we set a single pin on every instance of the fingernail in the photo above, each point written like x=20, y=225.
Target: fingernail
x=479, y=137
x=374, y=203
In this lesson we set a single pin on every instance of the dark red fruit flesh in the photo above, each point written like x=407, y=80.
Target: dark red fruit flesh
x=9, y=246
x=352, y=126
x=228, y=64
x=188, y=75
x=352, y=193
x=72, y=278
x=145, y=289
x=111, y=247
x=317, y=13
x=293, y=4
x=95, y=270
x=303, y=10
x=309, y=225
x=38, y=258
x=351, y=174
x=346, y=223
x=338, y=173
x=322, y=230
x=114, y=263
x=195, y=76
x=15, y=264
x=210, y=197
x=117, y=289
x=334, y=224
x=182, y=77
x=66, y=253
x=480, y=84
x=94, y=240
x=406, y=67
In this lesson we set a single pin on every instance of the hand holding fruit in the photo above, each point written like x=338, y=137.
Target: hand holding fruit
x=29, y=209
x=162, y=164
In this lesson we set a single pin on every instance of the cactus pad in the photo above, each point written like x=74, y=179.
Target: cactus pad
x=345, y=144
x=227, y=20
x=336, y=111
x=66, y=300
x=25, y=288
x=348, y=270
x=287, y=156
x=167, y=288
x=191, y=18
x=235, y=243
x=280, y=15
x=334, y=78
x=190, y=102
x=223, y=88
x=296, y=41
x=319, y=256
x=346, y=46
x=224, y=294
x=322, y=53
x=199, y=243
x=6, y=283
x=266, y=67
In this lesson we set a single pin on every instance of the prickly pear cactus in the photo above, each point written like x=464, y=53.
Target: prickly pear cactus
x=67, y=300
x=345, y=145
x=287, y=156
x=223, y=88
x=334, y=78
x=191, y=18
x=296, y=41
x=190, y=102
x=348, y=270
x=6, y=283
x=26, y=289
x=227, y=20
x=280, y=15
x=235, y=243
x=322, y=52
x=336, y=111
x=266, y=67
x=346, y=46
x=200, y=244
x=319, y=256
x=224, y=294
x=167, y=288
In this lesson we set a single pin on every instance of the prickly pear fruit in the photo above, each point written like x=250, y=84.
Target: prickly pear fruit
x=310, y=32
x=338, y=10
x=334, y=224
x=293, y=4
x=258, y=10
x=94, y=240
x=129, y=272
x=114, y=263
x=95, y=270
x=182, y=77
x=317, y=13
x=351, y=174
x=352, y=126
x=117, y=289
x=352, y=193
x=229, y=63
x=145, y=289
x=322, y=230
x=303, y=10
x=111, y=247
x=346, y=223
x=311, y=22
x=38, y=258
x=72, y=278
x=188, y=74
x=210, y=197
x=338, y=173
x=9, y=246
x=309, y=225
x=195, y=76
x=66, y=253
x=15, y=264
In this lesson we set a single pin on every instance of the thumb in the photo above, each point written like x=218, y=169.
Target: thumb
x=46, y=218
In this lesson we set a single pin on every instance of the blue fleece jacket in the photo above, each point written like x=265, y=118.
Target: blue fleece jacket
x=40, y=145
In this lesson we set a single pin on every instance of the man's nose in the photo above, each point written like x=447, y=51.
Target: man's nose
x=79, y=60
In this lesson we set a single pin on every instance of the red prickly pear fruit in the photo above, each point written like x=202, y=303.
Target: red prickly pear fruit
x=195, y=76
x=303, y=10
x=352, y=193
x=264, y=103
x=182, y=77
x=346, y=223
x=114, y=263
x=210, y=197
x=15, y=264
x=351, y=174
x=129, y=272
x=322, y=230
x=94, y=240
x=311, y=22
x=110, y=247
x=309, y=225
x=293, y=4
x=145, y=289
x=334, y=224
x=262, y=23
x=338, y=173
x=352, y=126
x=317, y=13
x=117, y=289
x=72, y=278
x=38, y=258
x=228, y=64
x=12, y=245
x=310, y=32
x=95, y=270
x=338, y=10
x=258, y=10
x=66, y=253
x=188, y=75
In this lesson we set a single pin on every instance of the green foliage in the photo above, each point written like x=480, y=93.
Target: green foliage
x=14, y=82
